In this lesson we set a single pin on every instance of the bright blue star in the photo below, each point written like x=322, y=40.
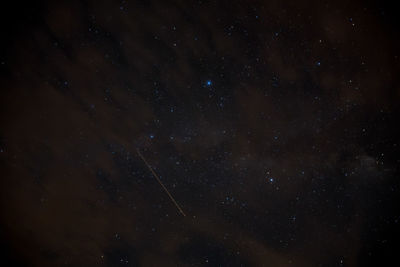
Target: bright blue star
x=151, y=136
x=209, y=83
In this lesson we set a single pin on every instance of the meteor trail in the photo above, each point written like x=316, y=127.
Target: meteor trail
x=159, y=181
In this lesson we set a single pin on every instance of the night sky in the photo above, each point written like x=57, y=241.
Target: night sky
x=273, y=124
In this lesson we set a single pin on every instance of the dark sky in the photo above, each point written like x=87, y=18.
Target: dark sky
x=272, y=124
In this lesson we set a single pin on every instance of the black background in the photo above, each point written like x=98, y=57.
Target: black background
x=84, y=84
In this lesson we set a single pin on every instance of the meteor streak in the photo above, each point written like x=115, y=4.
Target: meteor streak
x=159, y=181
